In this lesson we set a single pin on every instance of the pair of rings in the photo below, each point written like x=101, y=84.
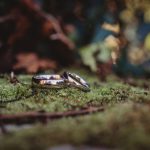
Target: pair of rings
x=60, y=81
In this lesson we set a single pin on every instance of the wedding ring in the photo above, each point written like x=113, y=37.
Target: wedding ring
x=60, y=81
x=76, y=81
x=48, y=81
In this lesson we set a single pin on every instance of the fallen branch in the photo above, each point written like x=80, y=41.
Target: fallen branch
x=32, y=117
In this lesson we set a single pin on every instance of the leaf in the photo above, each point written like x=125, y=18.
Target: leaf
x=31, y=63
x=87, y=54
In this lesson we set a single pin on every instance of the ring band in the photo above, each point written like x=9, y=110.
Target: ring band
x=77, y=81
x=60, y=81
x=48, y=81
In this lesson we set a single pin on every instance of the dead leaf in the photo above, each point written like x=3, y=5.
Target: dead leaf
x=31, y=63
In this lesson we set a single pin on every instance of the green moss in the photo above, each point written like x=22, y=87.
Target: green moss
x=124, y=123
x=124, y=126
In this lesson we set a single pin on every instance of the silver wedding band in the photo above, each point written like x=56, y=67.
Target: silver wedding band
x=60, y=81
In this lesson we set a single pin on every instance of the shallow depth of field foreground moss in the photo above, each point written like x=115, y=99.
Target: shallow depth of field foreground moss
x=125, y=123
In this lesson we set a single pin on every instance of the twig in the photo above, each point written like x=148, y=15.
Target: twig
x=32, y=117
x=13, y=78
x=60, y=35
x=6, y=18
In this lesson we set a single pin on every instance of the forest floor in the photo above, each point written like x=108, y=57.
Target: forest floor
x=113, y=115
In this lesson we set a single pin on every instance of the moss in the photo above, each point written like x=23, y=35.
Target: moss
x=124, y=124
